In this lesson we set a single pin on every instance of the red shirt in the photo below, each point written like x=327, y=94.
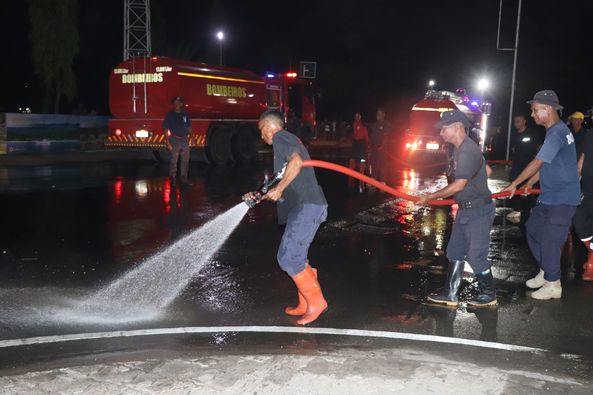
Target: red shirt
x=360, y=131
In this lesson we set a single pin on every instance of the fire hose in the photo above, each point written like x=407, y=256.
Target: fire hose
x=393, y=191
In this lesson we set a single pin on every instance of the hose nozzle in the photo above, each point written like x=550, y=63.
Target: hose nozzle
x=268, y=183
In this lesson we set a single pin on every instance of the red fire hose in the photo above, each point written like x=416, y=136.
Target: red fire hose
x=390, y=190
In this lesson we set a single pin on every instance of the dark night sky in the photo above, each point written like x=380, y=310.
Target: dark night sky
x=369, y=53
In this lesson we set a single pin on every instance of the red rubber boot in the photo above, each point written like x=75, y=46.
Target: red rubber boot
x=309, y=287
x=301, y=308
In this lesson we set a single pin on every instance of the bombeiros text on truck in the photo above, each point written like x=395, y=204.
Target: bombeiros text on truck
x=223, y=102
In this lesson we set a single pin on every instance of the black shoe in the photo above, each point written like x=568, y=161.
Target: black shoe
x=448, y=296
x=487, y=295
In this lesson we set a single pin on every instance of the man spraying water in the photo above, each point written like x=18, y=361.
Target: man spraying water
x=301, y=206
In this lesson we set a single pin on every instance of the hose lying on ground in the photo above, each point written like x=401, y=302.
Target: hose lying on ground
x=379, y=185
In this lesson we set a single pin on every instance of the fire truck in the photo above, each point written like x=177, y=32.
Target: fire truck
x=422, y=137
x=223, y=102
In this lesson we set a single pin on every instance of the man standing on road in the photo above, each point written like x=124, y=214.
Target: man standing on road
x=302, y=207
x=178, y=126
x=377, y=138
x=555, y=167
x=583, y=218
x=525, y=145
x=470, y=237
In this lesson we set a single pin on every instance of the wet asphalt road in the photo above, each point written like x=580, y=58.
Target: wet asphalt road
x=72, y=228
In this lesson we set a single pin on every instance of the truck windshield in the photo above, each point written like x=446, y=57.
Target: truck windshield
x=422, y=122
x=273, y=98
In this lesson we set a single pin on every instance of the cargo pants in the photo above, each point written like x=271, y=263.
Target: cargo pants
x=547, y=230
x=301, y=226
x=470, y=237
x=179, y=152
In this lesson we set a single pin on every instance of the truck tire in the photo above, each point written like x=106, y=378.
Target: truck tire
x=157, y=156
x=219, y=146
x=245, y=144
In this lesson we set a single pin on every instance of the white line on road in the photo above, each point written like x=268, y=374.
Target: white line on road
x=267, y=329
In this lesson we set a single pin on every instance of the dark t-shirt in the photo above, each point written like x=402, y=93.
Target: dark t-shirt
x=524, y=150
x=579, y=139
x=178, y=123
x=469, y=164
x=377, y=133
x=587, y=171
x=304, y=189
x=558, y=176
x=525, y=145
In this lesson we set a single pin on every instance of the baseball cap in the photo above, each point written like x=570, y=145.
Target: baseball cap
x=577, y=115
x=548, y=97
x=450, y=117
x=177, y=98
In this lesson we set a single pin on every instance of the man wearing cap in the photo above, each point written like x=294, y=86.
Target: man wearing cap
x=470, y=237
x=576, y=120
x=555, y=167
x=178, y=127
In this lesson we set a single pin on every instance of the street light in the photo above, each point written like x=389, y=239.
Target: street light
x=431, y=84
x=483, y=85
x=220, y=37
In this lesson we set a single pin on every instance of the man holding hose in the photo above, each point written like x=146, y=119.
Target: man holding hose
x=555, y=167
x=302, y=207
x=470, y=237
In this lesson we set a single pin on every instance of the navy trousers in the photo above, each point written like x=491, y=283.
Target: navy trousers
x=583, y=219
x=547, y=230
x=301, y=226
x=470, y=237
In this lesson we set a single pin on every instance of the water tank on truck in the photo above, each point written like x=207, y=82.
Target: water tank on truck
x=224, y=104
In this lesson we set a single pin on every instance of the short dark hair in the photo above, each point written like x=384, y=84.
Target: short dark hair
x=272, y=115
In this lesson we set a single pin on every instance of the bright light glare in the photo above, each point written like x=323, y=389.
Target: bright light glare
x=483, y=84
x=431, y=83
x=220, y=35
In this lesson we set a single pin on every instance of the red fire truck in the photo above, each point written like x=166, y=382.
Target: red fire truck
x=224, y=104
x=422, y=137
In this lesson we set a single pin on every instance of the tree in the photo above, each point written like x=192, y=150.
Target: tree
x=54, y=45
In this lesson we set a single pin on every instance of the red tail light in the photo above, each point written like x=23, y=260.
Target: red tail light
x=118, y=132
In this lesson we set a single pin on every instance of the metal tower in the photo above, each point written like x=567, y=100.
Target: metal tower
x=137, y=40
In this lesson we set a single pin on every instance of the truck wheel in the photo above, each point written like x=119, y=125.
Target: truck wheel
x=245, y=144
x=219, y=146
x=158, y=157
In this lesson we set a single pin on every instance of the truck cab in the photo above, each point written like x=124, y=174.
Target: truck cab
x=421, y=135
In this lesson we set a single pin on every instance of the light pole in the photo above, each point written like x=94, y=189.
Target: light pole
x=515, y=50
x=220, y=37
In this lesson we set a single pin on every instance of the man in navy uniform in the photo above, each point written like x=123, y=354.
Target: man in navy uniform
x=555, y=167
x=178, y=124
x=470, y=237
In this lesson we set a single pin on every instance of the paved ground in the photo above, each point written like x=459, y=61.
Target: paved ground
x=74, y=227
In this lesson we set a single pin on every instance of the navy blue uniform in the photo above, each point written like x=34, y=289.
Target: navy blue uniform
x=303, y=208
x=549, y=221
x=470, y=237
x=178, y=123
